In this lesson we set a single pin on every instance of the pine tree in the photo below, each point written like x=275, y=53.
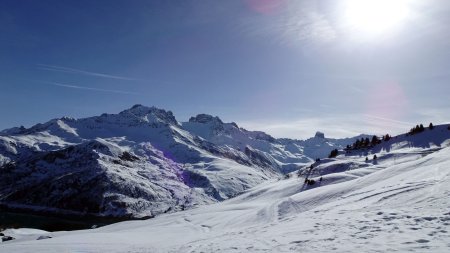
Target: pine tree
x=431, y=126
x=357, y=144
x=333, y=153
x=366, y=142
x=375, y=140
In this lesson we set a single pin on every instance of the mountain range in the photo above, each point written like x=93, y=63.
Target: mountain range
x=142, y=162
x=391, y=195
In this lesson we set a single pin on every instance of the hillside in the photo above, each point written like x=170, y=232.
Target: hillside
x=398, y=202
x=141, y=162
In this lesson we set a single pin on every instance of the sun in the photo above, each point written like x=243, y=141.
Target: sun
x=376, y=16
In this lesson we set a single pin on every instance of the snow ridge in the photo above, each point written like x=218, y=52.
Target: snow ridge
x=142, y=162
x=396, y=202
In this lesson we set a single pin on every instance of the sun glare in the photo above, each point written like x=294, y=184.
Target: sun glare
x=376, y=16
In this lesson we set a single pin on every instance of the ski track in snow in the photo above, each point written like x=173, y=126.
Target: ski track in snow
x=403, y=207
x=399, y=202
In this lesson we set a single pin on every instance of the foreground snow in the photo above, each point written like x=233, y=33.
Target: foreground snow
x=399, y=202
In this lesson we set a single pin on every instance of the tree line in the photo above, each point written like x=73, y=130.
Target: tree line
x=364, y=143
x=367, y=143
x=418, y=129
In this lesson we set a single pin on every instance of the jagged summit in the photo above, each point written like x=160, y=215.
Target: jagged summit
x=205, y=118
x=136, y=116
x=319, y=135
x=150, y=114
x=176, y=165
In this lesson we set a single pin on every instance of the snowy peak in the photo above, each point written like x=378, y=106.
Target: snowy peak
x=342, y=204
x=208, y=126
x=175, y=164
x=115, y=124
x=205, y=118
x=150, y=114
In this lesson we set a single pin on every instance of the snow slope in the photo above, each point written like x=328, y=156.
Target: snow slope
x=398, y=202
x=140, y=162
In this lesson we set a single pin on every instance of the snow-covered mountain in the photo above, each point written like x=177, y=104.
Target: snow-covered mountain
x=396, y=202
x=141, y=162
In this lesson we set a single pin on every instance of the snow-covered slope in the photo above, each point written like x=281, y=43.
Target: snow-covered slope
x=398, y=202
x=140, y=162
x=318, y=146
x=284, y=154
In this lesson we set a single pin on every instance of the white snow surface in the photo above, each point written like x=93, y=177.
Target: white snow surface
x=398, y=202
x=177, y=165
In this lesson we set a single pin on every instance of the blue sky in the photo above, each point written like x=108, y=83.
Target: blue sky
x=285, y=67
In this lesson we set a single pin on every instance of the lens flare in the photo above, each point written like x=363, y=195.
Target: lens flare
x=265, y=6
x=387, y=103
x=376, y=16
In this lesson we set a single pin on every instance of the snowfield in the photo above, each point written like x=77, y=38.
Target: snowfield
x=398, y=202
x=141, y=162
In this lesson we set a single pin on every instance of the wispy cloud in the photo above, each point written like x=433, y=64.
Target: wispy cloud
x=393, y=121
x=297, y=23
x=82, y=72
x=334, y=126
x=304, y=128
x=71, y=86
x=438, y=115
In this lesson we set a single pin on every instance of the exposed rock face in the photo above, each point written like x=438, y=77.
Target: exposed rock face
x=205, y=118
x=320, y=135
x=7, y=238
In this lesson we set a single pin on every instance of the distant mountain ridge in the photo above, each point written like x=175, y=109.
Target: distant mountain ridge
x=142, y=162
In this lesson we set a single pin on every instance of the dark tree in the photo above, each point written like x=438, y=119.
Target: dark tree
x=366, y=142
x=421, y=128
x=333, y=153
x=431, y=126
x=375, y=140
x=357, y=144
x=417, y=129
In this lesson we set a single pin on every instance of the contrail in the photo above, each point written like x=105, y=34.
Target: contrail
x=83, y=72
x=89, y=88
x=389, y=120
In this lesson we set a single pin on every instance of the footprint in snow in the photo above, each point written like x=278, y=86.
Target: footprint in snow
x=299, y=242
